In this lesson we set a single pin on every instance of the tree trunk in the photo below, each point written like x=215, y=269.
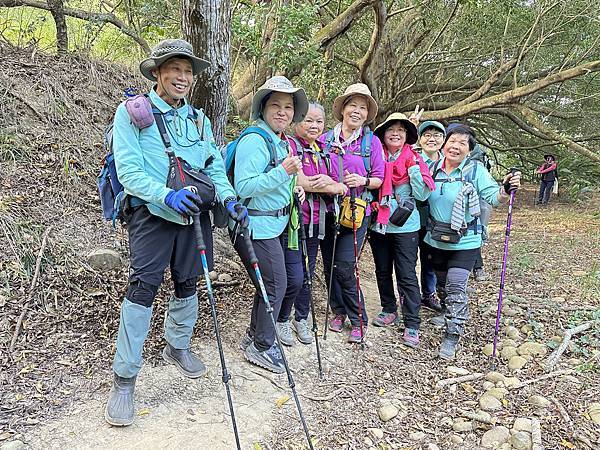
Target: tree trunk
x=206, y=24
x=62, y=37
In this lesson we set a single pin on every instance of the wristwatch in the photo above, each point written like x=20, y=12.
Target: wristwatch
x=368, y=181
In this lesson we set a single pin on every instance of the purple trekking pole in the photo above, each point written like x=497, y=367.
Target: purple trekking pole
x=504, y=261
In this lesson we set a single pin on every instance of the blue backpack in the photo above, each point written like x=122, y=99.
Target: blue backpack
x=112, y=194
x=220, y=216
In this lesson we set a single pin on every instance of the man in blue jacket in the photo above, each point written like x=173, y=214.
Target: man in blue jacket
x=159, y=219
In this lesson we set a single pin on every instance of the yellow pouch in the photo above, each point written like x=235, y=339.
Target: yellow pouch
x=346, y=213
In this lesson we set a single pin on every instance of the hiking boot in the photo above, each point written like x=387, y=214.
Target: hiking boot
x=303, y=331
x=479, y=274
x=411, y=337
x=187, y=363
x=119, y=410
x=284, y=331
x=337, y=323
x=246, y=341
x=439, y=321
x=354, y=336
x=384, y=319
x=448, y=346
x=432, y=302
x=270, y=359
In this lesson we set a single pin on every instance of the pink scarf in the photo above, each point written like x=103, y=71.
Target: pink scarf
x=395, y=174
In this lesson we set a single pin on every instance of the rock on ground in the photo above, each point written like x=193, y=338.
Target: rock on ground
x=539, y=401
x=388, y=412
x=104, y=259
x=521, y=440
x=495, y=437
x=489, y=403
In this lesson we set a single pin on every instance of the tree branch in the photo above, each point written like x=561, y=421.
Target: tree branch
x=83, y=15
x=513, y=95
x=533, y=119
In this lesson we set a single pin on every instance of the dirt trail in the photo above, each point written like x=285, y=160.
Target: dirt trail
x=176, y=413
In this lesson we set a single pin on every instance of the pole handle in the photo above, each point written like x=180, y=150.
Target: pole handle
x=301, y=231
x=251, y=253
x=200, y=245
x=507, y=187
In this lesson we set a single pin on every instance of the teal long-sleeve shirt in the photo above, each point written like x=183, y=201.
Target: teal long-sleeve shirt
x=142, y=164
x=442, y=199
x=268, y=191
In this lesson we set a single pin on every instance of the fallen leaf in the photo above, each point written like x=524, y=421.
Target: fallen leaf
x=381, y=391
x=567, y=444
x=257, y=446
x=282, y=400
x=144, y=412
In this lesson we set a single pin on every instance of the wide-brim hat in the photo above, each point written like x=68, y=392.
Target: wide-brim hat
x=551, y=156
x=170, y=48
x=280, y=84
x=352, y=90
x=431, y=124
x=411, y=129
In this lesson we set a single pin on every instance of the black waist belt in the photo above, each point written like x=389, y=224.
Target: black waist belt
x=277, y=213
x=136, y=201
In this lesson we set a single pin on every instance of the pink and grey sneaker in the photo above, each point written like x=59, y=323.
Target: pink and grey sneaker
x=384, y=319
x=355, y=335
x=337, y=323
x=411, y=337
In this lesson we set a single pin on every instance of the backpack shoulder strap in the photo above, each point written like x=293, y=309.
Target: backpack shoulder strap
x=471, y=171
x=297, y=145
x=268, y=139
x=365, y=149
x=328, y=141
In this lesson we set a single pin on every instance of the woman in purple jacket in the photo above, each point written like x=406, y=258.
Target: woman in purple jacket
x=357, y=161
x=319, y=188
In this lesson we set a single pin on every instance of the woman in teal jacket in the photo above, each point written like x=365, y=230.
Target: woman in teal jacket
x=454, y=231
x=266, y=187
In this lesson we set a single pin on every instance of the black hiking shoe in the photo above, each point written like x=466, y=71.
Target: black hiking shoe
x=270, y=359
x=187, y=363
x=432, y=302
x=119, y=410
x=448, y=346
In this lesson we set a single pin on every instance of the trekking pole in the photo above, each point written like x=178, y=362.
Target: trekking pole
x=200, y=245
x=504, y=262
x=269, y=308
x=308, y=282
x=356, y=271
x=336, y=232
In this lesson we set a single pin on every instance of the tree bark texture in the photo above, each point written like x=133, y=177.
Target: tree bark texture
x=58, y=14
x=206, y=24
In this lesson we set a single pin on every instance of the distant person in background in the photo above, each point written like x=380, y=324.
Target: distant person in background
x=549, y=176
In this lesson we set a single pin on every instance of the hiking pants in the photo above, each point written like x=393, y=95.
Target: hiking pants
x=428, y=281
x=344, y=296
x=301, y=300
x=545, y=191
x=154, y=245
x=397, y=252
x=452, y=268
x=295, y=278
x=271, y=262
x=478, y=260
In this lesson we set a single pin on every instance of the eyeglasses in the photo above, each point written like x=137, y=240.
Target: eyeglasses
x=433, y=135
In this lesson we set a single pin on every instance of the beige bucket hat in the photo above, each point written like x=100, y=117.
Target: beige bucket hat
x=411, y=129
x=355, y=89
x=170, y=48
x=280, y=84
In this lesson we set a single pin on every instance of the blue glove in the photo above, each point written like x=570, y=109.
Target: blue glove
x=183, y=201
x=237, y=212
